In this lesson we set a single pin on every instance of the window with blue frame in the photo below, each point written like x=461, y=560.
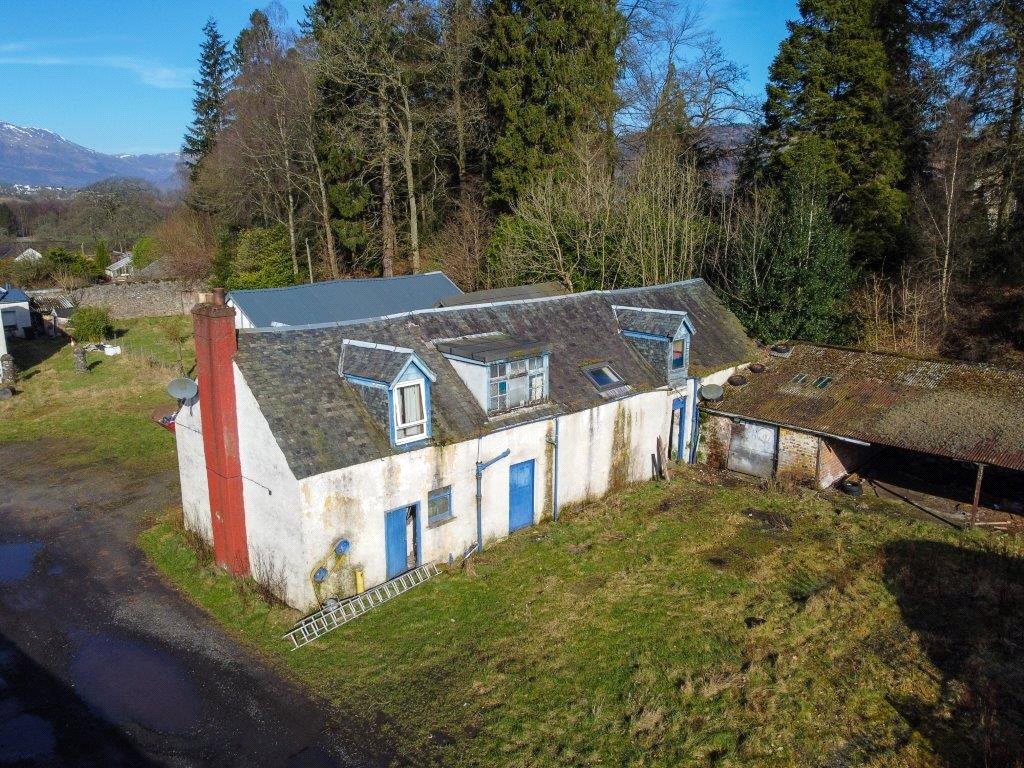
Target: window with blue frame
x=678, y=354
x=410, y=412
x=516, y=383
x=439, y=505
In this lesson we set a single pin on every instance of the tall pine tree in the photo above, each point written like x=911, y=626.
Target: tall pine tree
x=832, y=80
x=208, y=105
x=550, y=70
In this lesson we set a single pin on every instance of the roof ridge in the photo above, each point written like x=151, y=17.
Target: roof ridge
x=904, y=356
x=340, y=280
x=482, y=305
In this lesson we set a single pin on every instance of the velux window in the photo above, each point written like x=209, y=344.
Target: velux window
x=516, y=383
x=410, y=412
x=603, y=376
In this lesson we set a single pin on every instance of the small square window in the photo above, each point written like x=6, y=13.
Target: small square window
x=603, y=376
x=439, y=505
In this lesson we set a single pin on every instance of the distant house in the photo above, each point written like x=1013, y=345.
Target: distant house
x=122, y=268
x=330, y=457
x=15, y=311
x=29, y=254
x=336, y=301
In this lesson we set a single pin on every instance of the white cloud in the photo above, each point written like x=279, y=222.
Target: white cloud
x=149, y=72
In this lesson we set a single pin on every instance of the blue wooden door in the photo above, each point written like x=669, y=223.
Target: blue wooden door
x=520, y=495
x=396, y=546
x=679, y=406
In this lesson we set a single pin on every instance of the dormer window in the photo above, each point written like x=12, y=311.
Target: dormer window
x=410, y=412
x=503, y=372
x=394, y=385
x=659, y=336
x=516, y=383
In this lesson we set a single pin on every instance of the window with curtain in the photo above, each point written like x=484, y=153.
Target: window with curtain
x=410, y=412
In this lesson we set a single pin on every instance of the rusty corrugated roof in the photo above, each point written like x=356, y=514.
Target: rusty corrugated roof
x=952, y=409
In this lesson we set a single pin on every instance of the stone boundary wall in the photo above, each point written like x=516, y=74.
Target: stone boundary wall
x=128, y=300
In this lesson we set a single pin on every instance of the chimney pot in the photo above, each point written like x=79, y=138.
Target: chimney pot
x=218, y=297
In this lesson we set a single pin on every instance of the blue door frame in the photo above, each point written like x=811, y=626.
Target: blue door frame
x=679, y=406
x=396, y=543
x=520, y=495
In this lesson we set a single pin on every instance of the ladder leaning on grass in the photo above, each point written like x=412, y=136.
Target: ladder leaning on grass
x=338, y=612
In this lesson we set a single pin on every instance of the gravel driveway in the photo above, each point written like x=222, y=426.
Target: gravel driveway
x=102, y=664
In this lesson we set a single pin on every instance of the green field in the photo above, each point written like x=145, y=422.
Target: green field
x=105, y=414
x=686, y=623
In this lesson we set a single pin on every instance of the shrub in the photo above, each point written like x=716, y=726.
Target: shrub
x=90, y=323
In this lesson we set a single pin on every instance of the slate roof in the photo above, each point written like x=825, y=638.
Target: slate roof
x=951, y=409
x=322, y=425
x=376, y=362
x=492, y=347
x=660, y=323
x=342, y=300
x=515, y=293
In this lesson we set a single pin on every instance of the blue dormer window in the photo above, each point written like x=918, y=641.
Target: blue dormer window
x=410, y=412
x=394, y=385
x=660, y=336
x=678, y=354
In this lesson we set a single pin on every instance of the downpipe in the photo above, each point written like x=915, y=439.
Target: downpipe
x=480, y=467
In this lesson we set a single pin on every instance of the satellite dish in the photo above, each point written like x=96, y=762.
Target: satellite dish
x=711, y=392
x=182, y=389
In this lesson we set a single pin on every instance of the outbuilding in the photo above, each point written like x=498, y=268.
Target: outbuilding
x=817, y=414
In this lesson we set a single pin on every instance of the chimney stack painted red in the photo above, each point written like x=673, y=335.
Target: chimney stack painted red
x=216, y=344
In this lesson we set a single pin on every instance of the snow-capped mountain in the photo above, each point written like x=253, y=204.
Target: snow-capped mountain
x=37, y=157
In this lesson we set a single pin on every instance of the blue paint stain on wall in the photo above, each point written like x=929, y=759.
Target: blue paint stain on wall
x=17, y=559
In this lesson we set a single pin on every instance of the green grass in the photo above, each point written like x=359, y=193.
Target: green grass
x=103, y=415
x=666, y=626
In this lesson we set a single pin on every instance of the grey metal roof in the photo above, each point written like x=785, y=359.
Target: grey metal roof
x=342, y=300
x=514, y=293
x=10, y=295
x=492, y=347
x=322, y=424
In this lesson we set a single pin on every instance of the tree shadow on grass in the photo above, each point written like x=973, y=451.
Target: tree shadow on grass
x=967, y=608
x=29, y=353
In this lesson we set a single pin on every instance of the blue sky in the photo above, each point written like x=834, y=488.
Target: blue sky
x=117, y=76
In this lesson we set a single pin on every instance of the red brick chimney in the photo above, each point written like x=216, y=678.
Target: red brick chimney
x=216, y=344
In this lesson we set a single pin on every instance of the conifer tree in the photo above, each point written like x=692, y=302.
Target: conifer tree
x=208, y=105
x=832, y=79
x=550, y=71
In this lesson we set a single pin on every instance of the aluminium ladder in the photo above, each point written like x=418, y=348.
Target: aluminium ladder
x=341, y=612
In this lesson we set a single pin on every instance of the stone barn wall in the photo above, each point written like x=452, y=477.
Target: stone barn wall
x=128, y=300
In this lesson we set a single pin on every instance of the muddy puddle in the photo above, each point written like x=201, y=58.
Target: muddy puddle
x=17, y=560
x=128, y=682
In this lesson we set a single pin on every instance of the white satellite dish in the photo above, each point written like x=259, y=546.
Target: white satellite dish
x=182, y=389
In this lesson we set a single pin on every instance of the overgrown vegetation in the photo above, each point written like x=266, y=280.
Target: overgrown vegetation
x=681, y=623
x=105, y=414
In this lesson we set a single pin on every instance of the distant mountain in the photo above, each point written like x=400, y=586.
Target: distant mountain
x=36, y=157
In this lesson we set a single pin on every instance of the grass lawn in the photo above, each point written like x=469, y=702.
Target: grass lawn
x=682, y=623
x=103, y=415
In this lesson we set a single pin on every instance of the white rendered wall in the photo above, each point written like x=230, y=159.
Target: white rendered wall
x=195, y=493
x=22, y=315
x=270, y=493
x=608, y=444
x=475, y=377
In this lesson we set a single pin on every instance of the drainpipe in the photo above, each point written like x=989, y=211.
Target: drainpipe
x=480, y=467
x=554, y=477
